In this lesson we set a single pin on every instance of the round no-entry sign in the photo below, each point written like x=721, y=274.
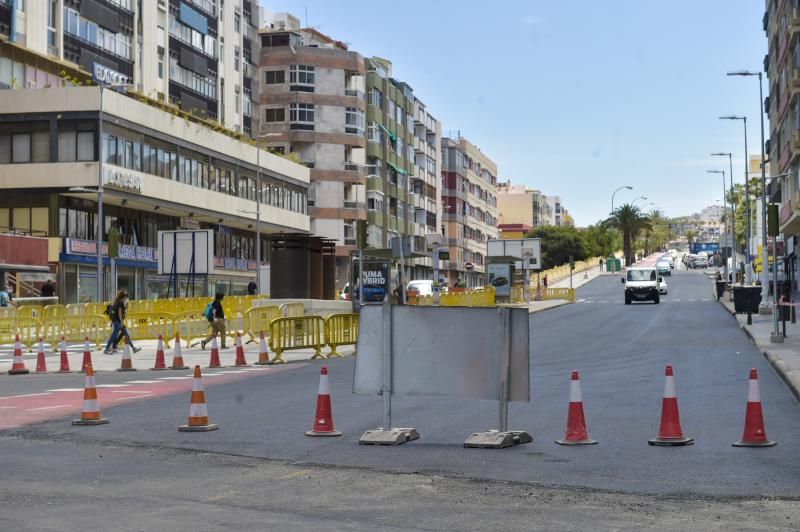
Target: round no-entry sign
x=468, y=266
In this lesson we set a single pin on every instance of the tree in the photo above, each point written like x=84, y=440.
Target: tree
x=558, y=243
x=600, y=241
x=630, y=221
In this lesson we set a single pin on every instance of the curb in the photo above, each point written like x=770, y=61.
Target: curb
x=788, y=376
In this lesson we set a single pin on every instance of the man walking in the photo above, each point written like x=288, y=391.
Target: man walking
x=216, y=321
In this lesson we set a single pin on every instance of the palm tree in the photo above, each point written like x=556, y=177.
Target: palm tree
x=629, y=220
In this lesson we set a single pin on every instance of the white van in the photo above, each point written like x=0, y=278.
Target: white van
x=641, y=284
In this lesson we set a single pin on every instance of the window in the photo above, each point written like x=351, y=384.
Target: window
x=237, y=22
x=354, y=121
x=374, y=133
x=273, y=77
x=160, y=65
x=301, y=115
x=277, y=114
x=400, y=148
x=40, y=147
x=390, y=108
x=302, y=78
x=375, y=98
x=236, y=54
x=21, y=148
x=399, y=116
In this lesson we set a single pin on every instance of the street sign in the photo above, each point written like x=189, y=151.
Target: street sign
x=469, y=266
x=516, y=250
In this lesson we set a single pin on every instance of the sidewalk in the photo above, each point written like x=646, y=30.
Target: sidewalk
x=578, y=279
x=785, y=357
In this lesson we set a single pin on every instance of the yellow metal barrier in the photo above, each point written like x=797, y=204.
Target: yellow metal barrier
x=141, y=306
x=28, y=311
x=192, y=326
x=26, y=327
x=257, y=319
x=558, y=293
x=296, y=333
x=340, y=329
x=96, y=309
x=147, y=326
x=75, y=329
x=53, y=311
x=292, y=310
x=76, y=309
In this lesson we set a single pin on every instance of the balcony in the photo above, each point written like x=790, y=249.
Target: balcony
x=375, y=218
x=790, y=215
x=357, y=94
x=375, y=183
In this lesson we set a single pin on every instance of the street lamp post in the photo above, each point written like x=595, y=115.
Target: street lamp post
x=725, y=210
x=764, y=263
x=747, y=269
x=733, y=212
x=615, y=193
x=637, y=199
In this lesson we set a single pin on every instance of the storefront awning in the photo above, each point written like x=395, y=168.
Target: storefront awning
x=398, y=170
x=23, y=268
x=392, y=136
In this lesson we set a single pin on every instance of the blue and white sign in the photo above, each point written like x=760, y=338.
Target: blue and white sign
x=107, y=76
x=708, y=247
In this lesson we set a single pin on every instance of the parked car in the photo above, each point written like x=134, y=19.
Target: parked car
x=345, y=293
x=662, y=286
x=700, y=262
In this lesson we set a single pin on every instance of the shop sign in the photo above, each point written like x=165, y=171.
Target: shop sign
x=75, y=246
x=107, y=76
x=229, y=263
x=123, y=179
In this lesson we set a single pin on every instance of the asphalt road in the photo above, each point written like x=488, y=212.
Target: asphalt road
x=621, y=352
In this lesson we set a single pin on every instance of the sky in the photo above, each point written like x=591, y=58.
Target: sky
x=576, y=98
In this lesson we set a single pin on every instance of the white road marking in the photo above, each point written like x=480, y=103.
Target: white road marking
x=26, y=395
x=111, y=386
x=174, y=378
x=139, y=392
x=141, y=382
x=66, y=390
x=47, y=408
x=134, y=397
x=692, y=300
x=705, y=299
x=678, y=300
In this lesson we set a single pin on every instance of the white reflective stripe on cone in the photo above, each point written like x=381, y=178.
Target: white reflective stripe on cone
x=91, y=405
x=86, y=346
x=324, y=387
x=197, y=385
x=41, y=347
x=753, y=395
x=213, y=342
x=90, y=382
x=198, y=410
x=669, y=387
x=126, y=351
x=178, y=348
x=575, y=392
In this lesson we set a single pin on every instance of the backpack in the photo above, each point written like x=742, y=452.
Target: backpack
x=208, y=312
x=110, y=312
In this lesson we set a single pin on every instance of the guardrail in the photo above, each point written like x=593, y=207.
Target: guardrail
x=340, y=329
x=26, y=327
x=258, y=319
x=482, y=297
x=296, y=333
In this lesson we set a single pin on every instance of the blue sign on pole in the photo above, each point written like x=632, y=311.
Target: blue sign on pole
x=708, y=247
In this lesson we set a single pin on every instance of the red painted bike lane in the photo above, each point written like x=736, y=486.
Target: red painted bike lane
x=27, y=409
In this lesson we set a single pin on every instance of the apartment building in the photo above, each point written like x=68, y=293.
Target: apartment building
x=519, y=204
x=312, y=104
x=470, y=206
x=158, y=171
x=781, y=24
x=195, y=54
x=403, y=165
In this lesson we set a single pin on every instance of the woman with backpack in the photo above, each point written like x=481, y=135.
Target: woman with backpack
x=216, y=318
x=117, y=313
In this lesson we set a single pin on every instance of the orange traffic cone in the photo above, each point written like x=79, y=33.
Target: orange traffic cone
x=198, y=412
x=41, y=364
x=214, y=361
x=90, y=415
x=240, y=360
x=323, y=420
x=670, y=433
x=160, y=362
x=64, y=358
x=87, y=355
x=177, y=357
x=18, y=367
x=127, y=364
x=576, y=423
x=263, y=353
x=755, y=435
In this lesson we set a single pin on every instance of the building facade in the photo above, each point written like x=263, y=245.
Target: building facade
x=195, y=54
x=158, y=172
x=782, y=65
x=470, y=206
x=518, y=204
x=312, y=104
x=402, y=163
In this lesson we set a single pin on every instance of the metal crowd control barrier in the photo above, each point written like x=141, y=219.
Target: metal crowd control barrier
x=257, y=319
x=76, y=309
x=292, y=310
x=485, y=354
x=26, y=327
x=27, y=311
x=557, y=293
x=296, y=333
x=147, y=326
x=340, y=329
x=75, y=329
x=192, y=326
x=53, y=311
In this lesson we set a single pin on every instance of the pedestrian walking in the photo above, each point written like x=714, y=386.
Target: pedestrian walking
x=251, y=288
x=117, y=311
x=48, y=290
x=544, y=282
x=216, y=318
x=601, y=263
